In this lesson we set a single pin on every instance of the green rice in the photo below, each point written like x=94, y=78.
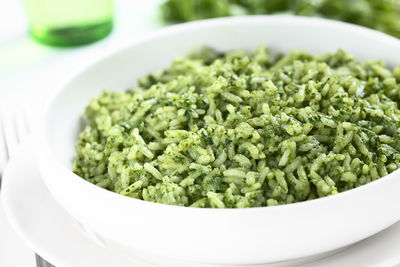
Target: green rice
x=240, y=129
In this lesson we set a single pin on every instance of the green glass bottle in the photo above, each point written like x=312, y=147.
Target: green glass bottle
x=69, y=22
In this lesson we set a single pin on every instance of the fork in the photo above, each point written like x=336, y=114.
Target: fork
x=14, y=128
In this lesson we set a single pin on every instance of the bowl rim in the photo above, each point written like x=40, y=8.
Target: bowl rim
x=159, y=33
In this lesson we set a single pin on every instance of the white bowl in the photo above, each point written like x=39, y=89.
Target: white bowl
x=228, y=236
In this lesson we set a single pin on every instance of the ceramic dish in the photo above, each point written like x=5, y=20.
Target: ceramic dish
x=228, y=236
x=39, y=220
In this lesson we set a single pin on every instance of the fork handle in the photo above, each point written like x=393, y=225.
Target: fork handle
x=40, y=262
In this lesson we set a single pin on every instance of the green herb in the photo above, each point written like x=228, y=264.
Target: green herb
x=382, y=15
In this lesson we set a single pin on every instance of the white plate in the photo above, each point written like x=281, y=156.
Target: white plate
x=43, y=224
x=57, y=237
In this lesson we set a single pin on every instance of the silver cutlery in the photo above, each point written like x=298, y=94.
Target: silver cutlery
x=14, y=128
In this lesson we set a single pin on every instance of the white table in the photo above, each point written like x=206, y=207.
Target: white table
x=30, y=71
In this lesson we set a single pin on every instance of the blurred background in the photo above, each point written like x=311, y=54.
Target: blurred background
x=25, y=62
x=382, y=15
x=31, y=68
